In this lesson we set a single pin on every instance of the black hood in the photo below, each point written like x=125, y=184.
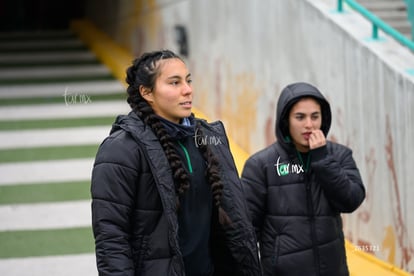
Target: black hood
x=289, y=96
x=129, y=123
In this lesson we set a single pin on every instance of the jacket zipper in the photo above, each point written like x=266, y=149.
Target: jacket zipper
x=311, y=211
x=312, y=223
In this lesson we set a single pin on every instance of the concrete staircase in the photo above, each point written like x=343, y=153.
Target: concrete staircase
x=392, y=12
x=57, y=104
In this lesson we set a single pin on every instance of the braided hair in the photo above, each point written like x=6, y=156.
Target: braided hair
x=143, y=72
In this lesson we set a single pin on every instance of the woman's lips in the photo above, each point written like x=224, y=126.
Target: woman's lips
x=306, y=135
x=186, y=104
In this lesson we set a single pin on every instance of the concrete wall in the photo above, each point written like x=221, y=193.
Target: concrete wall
x=242, y=53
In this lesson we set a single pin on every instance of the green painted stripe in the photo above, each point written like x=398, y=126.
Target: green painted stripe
x=121, y=95
x=56, y=123
x=44, y=192
x=30, y=36
x=18, y=244
x=18, y=64
x=31, y=81
x=47, y=49
x=47, y=153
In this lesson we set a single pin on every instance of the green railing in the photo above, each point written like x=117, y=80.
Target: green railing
x=378, y=23
x=410, y=15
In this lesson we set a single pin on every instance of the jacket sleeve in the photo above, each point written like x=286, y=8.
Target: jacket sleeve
x=339, y=177
x=254, y=184
x=112, y=190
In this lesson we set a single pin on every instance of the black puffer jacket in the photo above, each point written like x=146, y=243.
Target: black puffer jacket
x=134, y=215
x=296, y=213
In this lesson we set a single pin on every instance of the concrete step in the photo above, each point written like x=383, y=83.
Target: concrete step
x=25, y=35
x=63, y=89
x=91, y=135
x=53, y=72
x=392, y=15
x=41, y=44
x=60, y=56
x=67, y=265
x=61, y=110
x=41, y=216
x=46, y=171
x=384, y=5
x=403, y=27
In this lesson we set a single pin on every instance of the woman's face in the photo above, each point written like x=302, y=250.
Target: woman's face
x=305, y=116
x=171, y=97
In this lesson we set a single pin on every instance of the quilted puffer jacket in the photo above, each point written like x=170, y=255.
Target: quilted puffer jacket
x=134, y=216
x=297, y=212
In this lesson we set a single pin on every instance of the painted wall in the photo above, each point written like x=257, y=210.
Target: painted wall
x=242, y=53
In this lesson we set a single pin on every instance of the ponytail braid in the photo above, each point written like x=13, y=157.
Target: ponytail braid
x=180, y=175
x=213, y=176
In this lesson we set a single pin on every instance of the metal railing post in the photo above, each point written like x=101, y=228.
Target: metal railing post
x=374, y=31
x=340, y=6
x=410, y=15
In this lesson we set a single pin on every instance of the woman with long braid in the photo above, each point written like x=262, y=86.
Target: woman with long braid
x=166, y=196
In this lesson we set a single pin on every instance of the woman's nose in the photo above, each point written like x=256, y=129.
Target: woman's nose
x=188, y=89
x=308, y=122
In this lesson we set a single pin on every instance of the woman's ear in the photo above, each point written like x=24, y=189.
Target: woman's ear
x=146, y=93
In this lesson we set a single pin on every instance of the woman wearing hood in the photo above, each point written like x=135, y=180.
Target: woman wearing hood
x=297, y=188
x=166, y=195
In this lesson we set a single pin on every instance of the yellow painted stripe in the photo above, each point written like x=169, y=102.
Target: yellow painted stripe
x=107, y=51
x=362, y=263
x=118, y=59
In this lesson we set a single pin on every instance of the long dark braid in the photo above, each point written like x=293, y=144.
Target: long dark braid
x=213, y=175
x=144, y=72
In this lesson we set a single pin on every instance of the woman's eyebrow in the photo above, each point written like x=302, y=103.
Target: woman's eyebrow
x=304, y=113
x=178, y=77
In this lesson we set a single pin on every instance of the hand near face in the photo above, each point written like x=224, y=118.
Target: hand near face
x=317, y=139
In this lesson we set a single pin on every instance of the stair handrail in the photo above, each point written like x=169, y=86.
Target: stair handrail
x=410, y=15
x=377, y=23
